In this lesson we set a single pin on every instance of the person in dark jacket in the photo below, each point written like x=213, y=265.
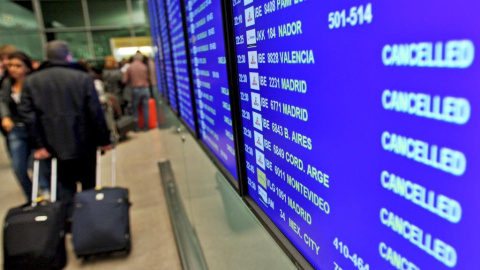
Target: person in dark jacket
x=5, y=50
x=65, y=120
x=19, y=146
x=112, y=78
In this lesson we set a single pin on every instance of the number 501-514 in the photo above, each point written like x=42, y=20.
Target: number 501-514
x=358, y=15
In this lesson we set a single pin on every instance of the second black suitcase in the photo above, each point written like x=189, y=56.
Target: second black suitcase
x=34, y=235
x=101, y=222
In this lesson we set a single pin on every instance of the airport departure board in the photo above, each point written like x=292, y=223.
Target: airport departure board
x=168, y=61
x=207, y=50
x=160, y=68
x=157, y=46
x=360, y=128
x=180, y=64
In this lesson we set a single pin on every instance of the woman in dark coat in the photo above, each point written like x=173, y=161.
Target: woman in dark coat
x=112, y=78
x=19, y=66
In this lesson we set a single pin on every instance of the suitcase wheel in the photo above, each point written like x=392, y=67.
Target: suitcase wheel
x=128, y=249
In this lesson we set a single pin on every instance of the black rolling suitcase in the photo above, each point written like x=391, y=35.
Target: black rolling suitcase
x=34, y=234
x=101, y=220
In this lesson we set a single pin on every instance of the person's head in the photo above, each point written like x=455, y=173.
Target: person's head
x=58, y=51
x=110, y=62
x=19, y=65
x=138, y=57
x=5, y=50
x=36, y=64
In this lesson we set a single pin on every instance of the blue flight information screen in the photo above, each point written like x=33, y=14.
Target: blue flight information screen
x=360, y=128
x=157, y=45
x=180, y=62
x=168, y=62
x=212, y=94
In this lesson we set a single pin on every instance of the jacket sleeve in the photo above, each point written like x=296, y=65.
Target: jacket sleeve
x=29, y=116
x=95, y=114
x=126, y=76
x=5, y=90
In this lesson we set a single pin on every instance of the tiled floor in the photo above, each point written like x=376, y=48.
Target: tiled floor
x=152, y=237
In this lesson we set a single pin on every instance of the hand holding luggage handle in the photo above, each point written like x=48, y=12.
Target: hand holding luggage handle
x=53, y=176
x=53, y=181
x=98, y=178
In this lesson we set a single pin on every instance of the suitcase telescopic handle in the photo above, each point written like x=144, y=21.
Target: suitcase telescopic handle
x=53, y=181
x=98, y=178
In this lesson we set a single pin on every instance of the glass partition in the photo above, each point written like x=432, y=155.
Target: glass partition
x=60, y=14
x=28, y=42
x=18, y=27
x=138, y=12
x=108, y=13
x=229, y=234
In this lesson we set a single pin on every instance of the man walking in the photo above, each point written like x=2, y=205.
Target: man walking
x=138, y=76
x=65, y=120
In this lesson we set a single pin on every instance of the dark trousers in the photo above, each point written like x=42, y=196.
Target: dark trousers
x=81, y=170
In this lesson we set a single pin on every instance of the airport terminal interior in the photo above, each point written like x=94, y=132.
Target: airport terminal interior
x=282, y=134
x=206, y=196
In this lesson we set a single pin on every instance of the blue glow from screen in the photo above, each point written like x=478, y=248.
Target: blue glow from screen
x=361, y=141
x=168, y=63
x=180, y=62
x=207, y=49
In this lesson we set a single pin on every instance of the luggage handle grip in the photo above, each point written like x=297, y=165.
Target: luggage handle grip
x=98, y=178
x=53, y=181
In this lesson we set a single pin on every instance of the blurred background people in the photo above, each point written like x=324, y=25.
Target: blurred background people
x=112, y=79
x=127, y=89
x=138, y=77
x=5, y=50
x=19, y=66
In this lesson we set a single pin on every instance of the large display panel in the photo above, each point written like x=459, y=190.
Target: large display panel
x=180, y=64
x=153, y=28
x=167, y=55
x=361, y=129
x=157, y=46
x=212, y=95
